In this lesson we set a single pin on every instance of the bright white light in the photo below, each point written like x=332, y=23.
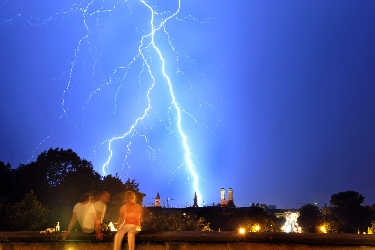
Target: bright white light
x=111, y=226
x=291, y=224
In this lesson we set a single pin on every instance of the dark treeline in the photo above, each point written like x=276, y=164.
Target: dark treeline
x=39, y=194
x=345, y=214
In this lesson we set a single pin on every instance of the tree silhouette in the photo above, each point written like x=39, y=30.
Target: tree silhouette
x=6, y=185
x=346, y=208
x=28, y=214
x=310, y=218
x=58, y=178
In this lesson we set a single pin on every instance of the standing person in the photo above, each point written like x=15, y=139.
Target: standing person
x=100, y=205
x=130, y=219
x=85, y=214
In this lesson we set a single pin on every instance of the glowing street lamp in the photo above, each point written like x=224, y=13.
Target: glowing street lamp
x=242, y=230
x=323, y=229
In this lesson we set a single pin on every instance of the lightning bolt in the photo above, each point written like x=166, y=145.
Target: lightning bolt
x=187, y=152
x=154, y=64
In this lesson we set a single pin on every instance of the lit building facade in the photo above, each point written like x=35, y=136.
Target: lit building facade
x=230, y=201
x=157, y=200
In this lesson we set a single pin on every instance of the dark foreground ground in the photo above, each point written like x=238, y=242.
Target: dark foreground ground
x=188, y=240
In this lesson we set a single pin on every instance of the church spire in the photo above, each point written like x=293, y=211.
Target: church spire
x=195, y=199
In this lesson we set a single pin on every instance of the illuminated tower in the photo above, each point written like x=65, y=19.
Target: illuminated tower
x=230, y=194
x=230, y=202
x=222, y=198
x=157, y=200
x=195, y=200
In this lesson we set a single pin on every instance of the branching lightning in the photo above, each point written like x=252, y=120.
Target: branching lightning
x=187, y=156
x=153, y=62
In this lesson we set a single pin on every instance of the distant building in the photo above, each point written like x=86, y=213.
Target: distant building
x=157, y=200
x=230, y=194
x=271, y=207
x=195, y=200
x=222, y=197
x=264, y=206
x=279, y=214
x=230, y=201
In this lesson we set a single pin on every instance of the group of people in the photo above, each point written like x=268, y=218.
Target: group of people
x=90, y=216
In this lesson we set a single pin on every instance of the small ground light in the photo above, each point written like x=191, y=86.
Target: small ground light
x=112, y=226
x=242, y=230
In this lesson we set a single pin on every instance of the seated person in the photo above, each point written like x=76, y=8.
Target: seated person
x=129, y=221
x=85, y=214
x=100, y=205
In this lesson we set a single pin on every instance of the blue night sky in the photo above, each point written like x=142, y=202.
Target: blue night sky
x=275, y=99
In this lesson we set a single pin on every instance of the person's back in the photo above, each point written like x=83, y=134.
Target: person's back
x=130, y=219
x=132, y=213
x=84, y=213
